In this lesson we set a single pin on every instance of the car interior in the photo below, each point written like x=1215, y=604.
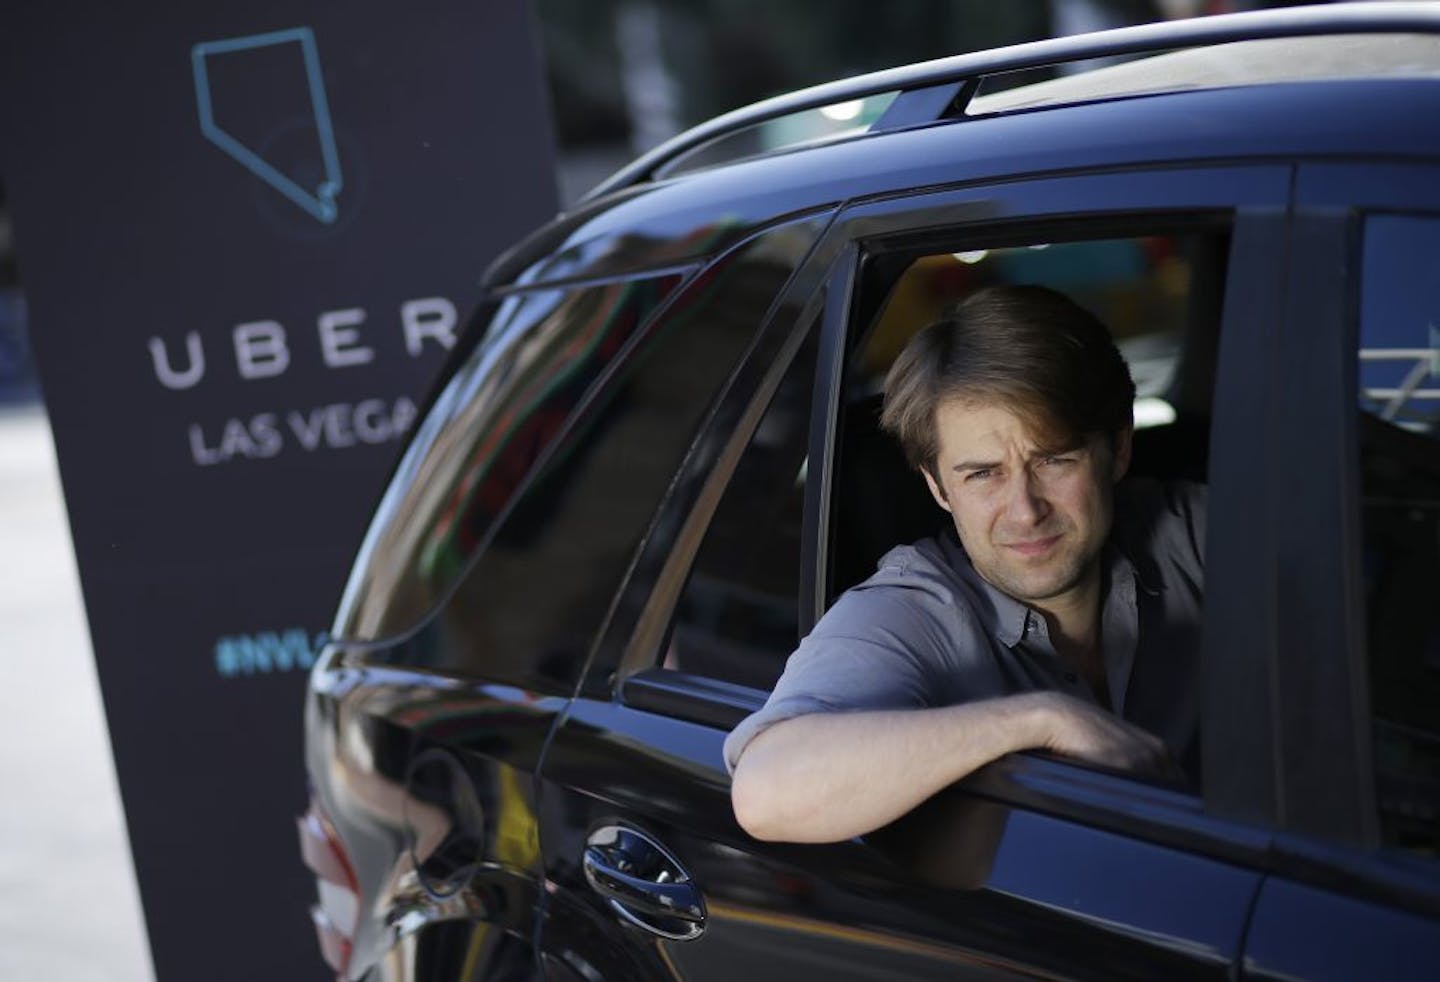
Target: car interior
x=1160, y=295
x=1160, y=292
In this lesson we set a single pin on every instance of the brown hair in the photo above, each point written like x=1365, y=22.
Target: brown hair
x=1031, y=349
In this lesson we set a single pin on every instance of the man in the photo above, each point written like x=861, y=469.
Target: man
x=1062, y=615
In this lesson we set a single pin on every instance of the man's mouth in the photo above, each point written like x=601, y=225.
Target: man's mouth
x=1034, y=547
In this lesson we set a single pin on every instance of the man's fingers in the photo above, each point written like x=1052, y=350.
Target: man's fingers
x=1081, y=730
x=1118, y=743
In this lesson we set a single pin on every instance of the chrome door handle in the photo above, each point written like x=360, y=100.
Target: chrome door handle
x=679, y=900
x=643, y=883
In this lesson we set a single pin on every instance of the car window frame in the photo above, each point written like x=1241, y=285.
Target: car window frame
x=1331, y=836
x=778, y=337
x=1254, y=200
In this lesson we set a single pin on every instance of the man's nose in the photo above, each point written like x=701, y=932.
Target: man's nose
x=1025, y=502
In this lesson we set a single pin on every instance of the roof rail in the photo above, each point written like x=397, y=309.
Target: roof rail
x=957, y=70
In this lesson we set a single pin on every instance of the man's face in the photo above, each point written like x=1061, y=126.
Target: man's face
x=1032, y=522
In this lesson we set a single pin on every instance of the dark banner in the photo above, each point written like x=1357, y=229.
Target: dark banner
x=247, y=235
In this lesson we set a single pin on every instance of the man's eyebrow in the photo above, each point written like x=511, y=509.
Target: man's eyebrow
x=1061, y=451
x=980, y=465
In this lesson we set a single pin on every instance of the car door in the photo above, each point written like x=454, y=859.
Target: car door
x=1033, y=866
x=481, y=588
x=1355, y=884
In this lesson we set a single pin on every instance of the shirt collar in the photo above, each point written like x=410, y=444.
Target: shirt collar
x=1007, y=619
x=1001, y=615
x=1119, y=623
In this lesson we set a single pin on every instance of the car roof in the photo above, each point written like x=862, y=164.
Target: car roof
x=1343, y=80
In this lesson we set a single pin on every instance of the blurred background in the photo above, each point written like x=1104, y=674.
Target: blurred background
x=623, y=76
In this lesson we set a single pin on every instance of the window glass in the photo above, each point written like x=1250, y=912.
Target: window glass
x=739, y=616
x=1399, y=368
x=499, y=410
x=530, y=605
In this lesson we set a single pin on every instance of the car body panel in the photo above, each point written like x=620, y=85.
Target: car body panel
x=967, y=887
x=1364, y=940
x=404, y=834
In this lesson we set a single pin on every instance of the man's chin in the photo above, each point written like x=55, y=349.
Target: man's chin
x=1035, y=585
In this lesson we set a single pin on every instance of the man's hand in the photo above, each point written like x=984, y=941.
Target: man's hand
x=1087, y=732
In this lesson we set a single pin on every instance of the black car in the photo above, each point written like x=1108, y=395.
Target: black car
x=656, y=462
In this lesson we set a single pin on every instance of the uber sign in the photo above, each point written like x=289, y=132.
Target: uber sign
x=248, y=233
x=262, y=350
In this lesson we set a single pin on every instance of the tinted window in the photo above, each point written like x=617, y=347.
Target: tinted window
x=739, y=612
x=533, y=600
x=503, y=406
x=1400, y=479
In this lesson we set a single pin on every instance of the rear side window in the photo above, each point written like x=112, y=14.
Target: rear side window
x=1399, y=371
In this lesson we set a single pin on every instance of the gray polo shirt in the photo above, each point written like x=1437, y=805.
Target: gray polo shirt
x=926, y=630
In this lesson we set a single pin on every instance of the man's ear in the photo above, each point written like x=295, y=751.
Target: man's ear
x=1122, y=445
x=936, y=491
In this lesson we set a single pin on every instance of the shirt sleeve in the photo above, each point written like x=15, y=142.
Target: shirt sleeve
x=1163, y=525
x=1180, y=527
x=876, y=648
x=1195, y=499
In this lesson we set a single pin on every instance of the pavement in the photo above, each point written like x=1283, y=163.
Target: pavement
x=69, y=907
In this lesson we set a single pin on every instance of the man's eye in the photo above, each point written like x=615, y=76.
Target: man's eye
x=1058, y=459
x=980, y=475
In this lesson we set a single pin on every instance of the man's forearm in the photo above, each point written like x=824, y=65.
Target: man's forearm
x=828, y=776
